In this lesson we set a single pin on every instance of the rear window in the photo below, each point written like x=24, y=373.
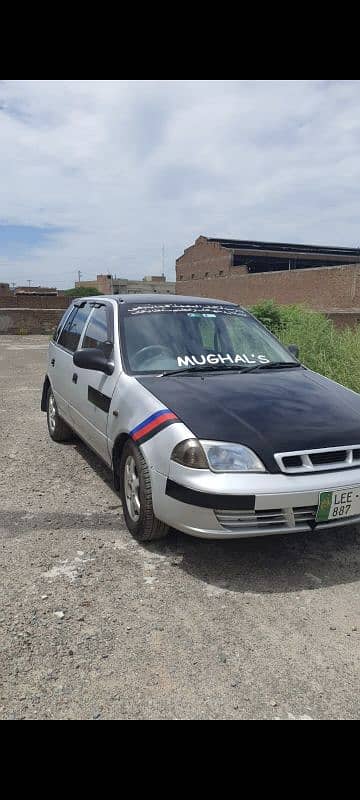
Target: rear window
x=72, y=332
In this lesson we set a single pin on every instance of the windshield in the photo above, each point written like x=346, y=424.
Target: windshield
x=167, y=338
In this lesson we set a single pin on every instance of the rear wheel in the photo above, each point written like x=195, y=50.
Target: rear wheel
x=58, y=429
x=136, y=495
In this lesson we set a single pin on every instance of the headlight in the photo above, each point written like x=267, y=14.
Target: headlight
x=216, y=456
x=231, y=458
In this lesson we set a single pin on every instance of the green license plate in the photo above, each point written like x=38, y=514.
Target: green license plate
x=339, y=505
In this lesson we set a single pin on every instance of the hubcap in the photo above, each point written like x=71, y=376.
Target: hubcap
x=132, y=489
x=52, y=413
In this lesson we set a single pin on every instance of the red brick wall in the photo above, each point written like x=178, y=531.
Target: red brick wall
x=14, y=321
x=204, y=257
x=350, y=319
x=31, y=301
x=330, y=289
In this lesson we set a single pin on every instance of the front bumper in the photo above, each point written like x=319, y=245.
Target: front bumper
x=268, y=505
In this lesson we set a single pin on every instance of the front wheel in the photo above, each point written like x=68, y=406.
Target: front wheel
x=136, y=495
x=58, y=429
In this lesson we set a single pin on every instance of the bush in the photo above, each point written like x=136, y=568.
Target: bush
x=270, y=315
x=323, y=348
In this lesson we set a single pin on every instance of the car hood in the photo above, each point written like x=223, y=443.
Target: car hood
x=269, y=412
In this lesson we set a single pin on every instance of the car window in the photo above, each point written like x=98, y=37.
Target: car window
x=60, y=325
x=100, y=331
x=72, y=332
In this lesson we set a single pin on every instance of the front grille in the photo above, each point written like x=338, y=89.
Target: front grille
x=323, y=459
x=273, y=521
x=240, y=520
x=305, y=515
x=328, y=460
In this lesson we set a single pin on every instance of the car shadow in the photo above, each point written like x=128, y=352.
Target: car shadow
x=270, y=565
x=95, y=462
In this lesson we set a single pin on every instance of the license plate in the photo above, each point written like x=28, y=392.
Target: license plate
x=339, y=505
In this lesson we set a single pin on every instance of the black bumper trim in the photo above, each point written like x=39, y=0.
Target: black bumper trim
x=215, y=502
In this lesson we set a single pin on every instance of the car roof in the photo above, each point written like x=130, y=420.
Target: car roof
x=156, y=299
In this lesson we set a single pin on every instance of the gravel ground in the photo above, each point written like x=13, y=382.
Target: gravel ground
x=95, y=626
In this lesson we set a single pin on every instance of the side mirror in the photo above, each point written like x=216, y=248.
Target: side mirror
x=95, y=360
x=294, y=350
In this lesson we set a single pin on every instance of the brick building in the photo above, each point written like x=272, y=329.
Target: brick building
x=107, y=284
x=326, y=279
x=36, y=291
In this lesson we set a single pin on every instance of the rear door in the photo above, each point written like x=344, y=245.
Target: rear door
x=93, y=391
x=61, y=357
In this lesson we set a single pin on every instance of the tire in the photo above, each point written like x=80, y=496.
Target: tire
x=136, y=496
x=58, y=429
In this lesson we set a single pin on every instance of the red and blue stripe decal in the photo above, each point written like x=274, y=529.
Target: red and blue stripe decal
x=153, y=425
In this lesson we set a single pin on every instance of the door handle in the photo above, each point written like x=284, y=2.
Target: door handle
x=75, y=378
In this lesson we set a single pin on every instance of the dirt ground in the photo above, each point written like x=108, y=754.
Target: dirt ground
x=95, y=626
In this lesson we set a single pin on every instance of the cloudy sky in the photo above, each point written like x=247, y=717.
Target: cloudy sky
x=97, y=175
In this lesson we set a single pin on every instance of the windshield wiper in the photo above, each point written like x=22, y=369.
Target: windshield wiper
x=274, y=365
x=229, y=368
x=204, y=370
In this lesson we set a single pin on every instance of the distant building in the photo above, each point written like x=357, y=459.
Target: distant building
x=36, y=291
x=4, y=290
x=107, y=284
x=326, y=279
x=218, y=258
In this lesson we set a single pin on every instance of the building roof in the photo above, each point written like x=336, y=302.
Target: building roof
x=273, y=247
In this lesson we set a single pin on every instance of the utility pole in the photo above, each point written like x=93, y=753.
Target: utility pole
x=29, y=282
x=79, y=276
x=163, y=260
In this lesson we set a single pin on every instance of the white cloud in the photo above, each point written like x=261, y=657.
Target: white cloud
x=123, y=166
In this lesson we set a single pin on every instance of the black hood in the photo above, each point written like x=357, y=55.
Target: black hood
x=269, y=412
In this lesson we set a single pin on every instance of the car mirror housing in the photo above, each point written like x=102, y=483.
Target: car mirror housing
x=294, y=350
x=94, y=359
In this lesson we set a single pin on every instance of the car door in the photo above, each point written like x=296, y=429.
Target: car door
x=61, y=357
x=92, y=392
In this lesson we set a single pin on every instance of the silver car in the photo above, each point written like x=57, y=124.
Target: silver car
x=209, y=424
